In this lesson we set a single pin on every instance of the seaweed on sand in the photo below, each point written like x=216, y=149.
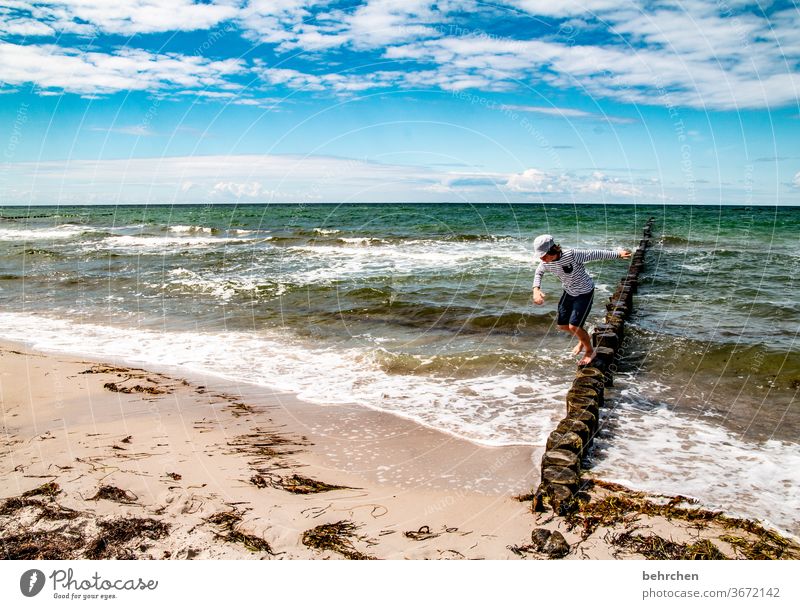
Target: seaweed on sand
x=41, y=545
x=228, y=522
x=336, y=538
x=113, y=493
x=770, y=546
x=424, y=532
x=297, y=484
x=655, y=547
x=264, y=446
x=49, y=489
x=47, y=511
x=301, y=485
x=135, y=389
x=116, y=533
x=627, y=506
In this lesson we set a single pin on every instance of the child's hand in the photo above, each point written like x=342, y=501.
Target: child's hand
x=538, y=297
x=623, y=253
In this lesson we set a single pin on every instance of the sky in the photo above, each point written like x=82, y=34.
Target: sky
x=242, y=101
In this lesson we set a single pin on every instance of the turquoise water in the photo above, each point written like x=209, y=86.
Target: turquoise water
x=424, y=311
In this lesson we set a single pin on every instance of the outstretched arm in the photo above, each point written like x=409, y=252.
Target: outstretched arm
x=590, y=255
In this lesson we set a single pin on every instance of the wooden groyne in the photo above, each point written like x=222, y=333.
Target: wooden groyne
x=568, y=444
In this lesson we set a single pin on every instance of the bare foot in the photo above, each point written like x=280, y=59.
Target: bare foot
x=586, y=359
x=578, y=348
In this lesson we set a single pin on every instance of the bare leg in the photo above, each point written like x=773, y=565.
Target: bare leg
x=579, y=347
x=586, y=344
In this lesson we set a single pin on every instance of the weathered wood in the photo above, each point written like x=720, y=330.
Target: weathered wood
x=562, y=476
x=569, y=441
x=561, y=458
x=577, y=427
x=608, y=339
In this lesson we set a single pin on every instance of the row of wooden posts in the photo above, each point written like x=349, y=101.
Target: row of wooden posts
x=568, y=444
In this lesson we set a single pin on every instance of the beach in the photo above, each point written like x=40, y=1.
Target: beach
x=105, y=460
x=283, y=350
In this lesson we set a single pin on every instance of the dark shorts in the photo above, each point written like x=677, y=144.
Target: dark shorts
x=573, y=310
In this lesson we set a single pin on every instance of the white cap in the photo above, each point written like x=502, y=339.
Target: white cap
x=542, y=244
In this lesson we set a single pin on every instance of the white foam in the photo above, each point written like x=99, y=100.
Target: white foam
x=64, y=231
x=326, y=263
x=131, y=243
x=222, y=288
x=660, y=451
x=182, y=228
x=495, y=410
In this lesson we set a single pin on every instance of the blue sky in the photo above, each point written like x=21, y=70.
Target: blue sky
x=617, y=101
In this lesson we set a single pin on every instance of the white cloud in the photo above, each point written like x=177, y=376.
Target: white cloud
x=752, y=77
x=537, y=181
x=568, y=113
x=566, y=8
x=796, y=180
x=296, y=178
x=125, y=17
x=25, y=27
x=721, y=55
x=136, y=130
x=533, y=180
x=292, y=24
x=74, y=71
x=239, y=190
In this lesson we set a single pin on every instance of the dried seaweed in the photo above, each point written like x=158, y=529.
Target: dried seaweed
x=628, y=506
x=135, y=389
x=264, y=446
x=240, y=409
x=335, y=537
x=297, y=484
x=116, y=533
x=228, y=522
x=42, y=545
x=655, y=547
x=50, y=489
x=421, y=534
x=47, y=511
x=113, y=493
x=103, y=369
x=766, y=547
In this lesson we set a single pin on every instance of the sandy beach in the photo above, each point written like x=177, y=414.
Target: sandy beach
x=103, y=460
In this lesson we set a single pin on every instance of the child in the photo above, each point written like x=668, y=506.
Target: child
x=576, y=301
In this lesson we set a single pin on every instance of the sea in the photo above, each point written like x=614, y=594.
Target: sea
x=424, y=311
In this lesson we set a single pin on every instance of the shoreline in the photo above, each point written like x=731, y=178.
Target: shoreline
x=230, y=472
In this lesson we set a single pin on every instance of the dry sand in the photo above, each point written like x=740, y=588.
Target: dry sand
x=109, y=461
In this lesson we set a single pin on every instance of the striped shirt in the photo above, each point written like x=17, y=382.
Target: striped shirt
x=570, y=270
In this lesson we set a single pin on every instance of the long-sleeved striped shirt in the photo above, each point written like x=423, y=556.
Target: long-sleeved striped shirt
x=570, y=270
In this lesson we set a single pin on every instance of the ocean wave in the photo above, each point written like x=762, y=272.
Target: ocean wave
x=675, y=240
x=660, y=451
x=223, y=289
x=431, y=316
x=686, y=357
x=160, y=244
x=495, y=409
x=457, y=365
x=193, y=230
x=39, y=252
x=64, y=231
x=469, y=237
